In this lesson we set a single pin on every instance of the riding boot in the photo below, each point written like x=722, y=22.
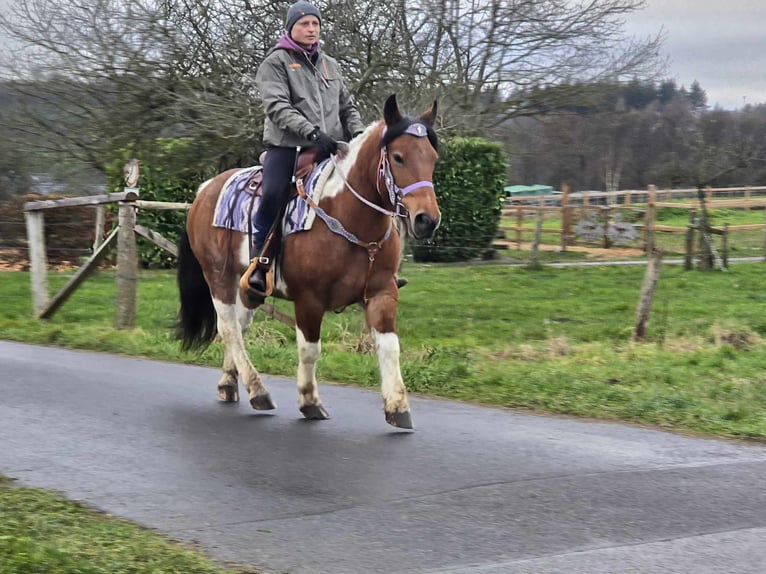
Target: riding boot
x=401, y=282
x=257, y=279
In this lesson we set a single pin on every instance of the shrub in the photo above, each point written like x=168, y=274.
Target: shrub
x=469, y=182
x=171, y=171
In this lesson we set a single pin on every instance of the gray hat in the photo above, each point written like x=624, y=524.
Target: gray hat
x=298, y=11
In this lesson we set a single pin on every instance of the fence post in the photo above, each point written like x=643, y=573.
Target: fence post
x=98, y=232
x=764, y=237
x=127, y=267
x=647, y=294
x=606, y=210
x=725, y=247
x=534, y=262
x=748, y=195
x=566, y=217
x=689, y=252
x=651, y=211
x=626, y=201
x=519, y=222
x=38, y=260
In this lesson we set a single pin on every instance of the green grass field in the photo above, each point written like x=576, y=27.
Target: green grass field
x=41, y=533
x=555, y=340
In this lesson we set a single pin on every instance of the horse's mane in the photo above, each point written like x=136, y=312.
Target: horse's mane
x=330, y=183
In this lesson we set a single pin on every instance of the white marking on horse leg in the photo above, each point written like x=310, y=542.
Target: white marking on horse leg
x=228, y=389
x=244, y=316
x=308, y=355
x=230, y=330
x=392, y=385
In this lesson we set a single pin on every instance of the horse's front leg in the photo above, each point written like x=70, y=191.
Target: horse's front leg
x=308, y=319
x=381, y=318
x=230, y=329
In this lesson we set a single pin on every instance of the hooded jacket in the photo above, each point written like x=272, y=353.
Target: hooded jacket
x=299, y=95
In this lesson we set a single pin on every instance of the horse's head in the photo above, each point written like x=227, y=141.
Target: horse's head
x=408, y=161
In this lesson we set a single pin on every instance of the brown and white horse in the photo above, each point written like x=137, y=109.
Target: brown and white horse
x=350, y=256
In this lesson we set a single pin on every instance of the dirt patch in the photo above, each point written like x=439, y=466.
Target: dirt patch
x=601, y=252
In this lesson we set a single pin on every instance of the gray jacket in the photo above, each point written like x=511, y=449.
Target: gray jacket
x=298, y=95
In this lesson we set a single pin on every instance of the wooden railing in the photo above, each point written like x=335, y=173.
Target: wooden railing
x=604, y=205
x=123, y=236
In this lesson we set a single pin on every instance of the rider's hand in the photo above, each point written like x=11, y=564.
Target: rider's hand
x=325, y=143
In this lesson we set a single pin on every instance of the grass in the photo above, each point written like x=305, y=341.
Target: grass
x=41, y=532
x=555, y=340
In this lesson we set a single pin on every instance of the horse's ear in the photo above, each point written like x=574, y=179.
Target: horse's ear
x=429, y=116
x=391, y=112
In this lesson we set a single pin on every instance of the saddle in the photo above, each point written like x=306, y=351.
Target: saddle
x=307, y=161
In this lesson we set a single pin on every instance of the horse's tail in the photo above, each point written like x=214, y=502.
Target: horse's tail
x=196, y=324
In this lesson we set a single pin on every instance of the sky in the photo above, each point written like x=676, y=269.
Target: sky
x=719, y=43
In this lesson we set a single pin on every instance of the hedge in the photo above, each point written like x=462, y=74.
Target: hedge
x=171, y=172
x=469, y=181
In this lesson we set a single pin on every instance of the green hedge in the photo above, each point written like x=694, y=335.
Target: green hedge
x=469, y=182
x=171, y=171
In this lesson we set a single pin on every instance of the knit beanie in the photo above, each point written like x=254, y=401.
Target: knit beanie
x=298, y=11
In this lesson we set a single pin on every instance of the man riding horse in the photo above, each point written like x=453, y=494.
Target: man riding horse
x=307, y=104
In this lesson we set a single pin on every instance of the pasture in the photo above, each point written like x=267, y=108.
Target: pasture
x=554, y=340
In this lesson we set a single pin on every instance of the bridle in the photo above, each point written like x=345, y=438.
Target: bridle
x=395, y=193
x=395, y=197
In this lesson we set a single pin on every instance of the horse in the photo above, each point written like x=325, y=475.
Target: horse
x=382, y=187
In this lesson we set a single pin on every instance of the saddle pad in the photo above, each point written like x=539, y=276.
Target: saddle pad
x=298, y=215
x=234, y=207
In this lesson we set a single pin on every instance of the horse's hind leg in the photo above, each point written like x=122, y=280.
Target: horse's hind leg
x=228, y=390
x=381, y=318
x=230, y=329
x=309, y=349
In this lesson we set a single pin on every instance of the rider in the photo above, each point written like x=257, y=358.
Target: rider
x=306, y=103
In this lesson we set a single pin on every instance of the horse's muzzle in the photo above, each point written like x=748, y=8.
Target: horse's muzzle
x=424, y=226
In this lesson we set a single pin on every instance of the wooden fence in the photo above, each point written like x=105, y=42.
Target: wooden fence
x=602, y=207
x=123, y=236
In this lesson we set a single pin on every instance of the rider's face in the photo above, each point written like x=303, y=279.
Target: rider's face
x=306, y=30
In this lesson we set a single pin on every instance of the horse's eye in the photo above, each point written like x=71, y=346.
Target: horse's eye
x=398, y=158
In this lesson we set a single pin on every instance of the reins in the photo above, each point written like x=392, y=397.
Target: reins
x=395, y=196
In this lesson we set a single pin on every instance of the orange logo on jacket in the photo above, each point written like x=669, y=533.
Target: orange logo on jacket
x=295, y=66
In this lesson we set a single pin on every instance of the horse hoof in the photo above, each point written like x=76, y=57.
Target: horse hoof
x=262, y=402
x=228, y=394
x=402, y=420
x=315, y=412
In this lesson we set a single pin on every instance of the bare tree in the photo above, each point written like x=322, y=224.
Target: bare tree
x=109, y=74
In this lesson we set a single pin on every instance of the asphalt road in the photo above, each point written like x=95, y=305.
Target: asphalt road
x=472, y=490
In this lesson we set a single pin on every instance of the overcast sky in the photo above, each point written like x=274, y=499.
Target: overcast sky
x=719, y=43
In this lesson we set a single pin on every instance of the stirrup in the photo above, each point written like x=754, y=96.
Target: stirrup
x=257, y=281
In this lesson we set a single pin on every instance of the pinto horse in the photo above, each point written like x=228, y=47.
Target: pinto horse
x=349, y=255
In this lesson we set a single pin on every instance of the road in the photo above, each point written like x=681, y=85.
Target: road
x=473, y=490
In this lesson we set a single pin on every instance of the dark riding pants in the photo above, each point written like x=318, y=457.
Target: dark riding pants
x=278, y=169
